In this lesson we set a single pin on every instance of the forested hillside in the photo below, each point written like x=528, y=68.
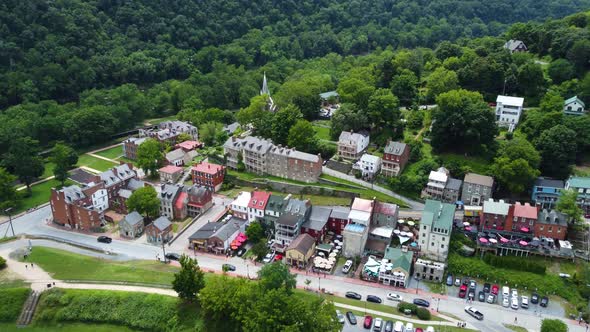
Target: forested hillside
x=56, y=49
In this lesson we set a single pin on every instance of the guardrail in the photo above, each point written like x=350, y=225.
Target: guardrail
x=66, y=241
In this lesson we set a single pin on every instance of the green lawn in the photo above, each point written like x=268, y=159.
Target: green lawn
x=48, y=170
x=61, y=327
x=69, y=266
x=322, y=133
x=12, y=303
x=40, y=194
x=95, y=163
x=112, y=153
x=160, y=120
x=477, y=164
x=515, y=328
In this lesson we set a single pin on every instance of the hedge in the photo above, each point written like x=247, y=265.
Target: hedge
x=11, y=303
x=2, y=263
x=515, y=263
x=402, y=306
x=423, y=314
x=147, y=312
x=553, y=325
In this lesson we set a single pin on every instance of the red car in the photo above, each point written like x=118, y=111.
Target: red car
x=495, y=289
x=419, y=329
x=368, y=322
x=462, y=291
x=278, y=257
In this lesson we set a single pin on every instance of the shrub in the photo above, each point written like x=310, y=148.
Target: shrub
x=515, y=263
x=2, y=263
x=405, y=305
x=12, y=303
x=423, y=314
x=553, y=325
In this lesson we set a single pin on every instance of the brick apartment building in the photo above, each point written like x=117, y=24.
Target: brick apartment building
x=79, y=208
x=208, y=175
x=395, y=158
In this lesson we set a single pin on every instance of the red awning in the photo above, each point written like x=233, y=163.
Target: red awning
x=524, y=229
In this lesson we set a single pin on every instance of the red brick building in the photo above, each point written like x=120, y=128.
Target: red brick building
x=522, y=218
x=317, y=224
x=208, y=175
x=395, y=158
x=338, y=219
x=200, y=199
x=79, y=208
x=495, y=215
x=551, y=225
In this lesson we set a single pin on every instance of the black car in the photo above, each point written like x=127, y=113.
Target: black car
x=388, y=326
x=351, y=317
x=471, y=294
x=241, y=252
x=534, y=298
x=374, y=299
x=172, y=256
x=353, y=295
x=544, y=301
x=450, y=280
x=465, y=281
x=104, y=239
x=486, y=287
x=421, y=303
x=228, y=267
x=481, y=296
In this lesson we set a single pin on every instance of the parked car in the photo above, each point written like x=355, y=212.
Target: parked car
x=269, y=257
x=544, y=302
x=347, y=266
x=495, y=289
x=486, y=287
x=430, y=329
x=409, y=327
x=419, y=329
x=353, y=295
x=378, y=324
x=462, y=291
x=465, y=281
x=388, y=326
x=340, y=316
x=368, y=321
x=450, y=280
x=228, y=267
x=278, y=257
x=473, y=285
x=474, y=312
x=534, y=298
x=374, y=299
x=398, y=327
x=505, y=291
x=514, y=293
x=457, y=281
x=491, y=298
x=394, y=297
x=505, y=302
x=481, y=296
x=524, y=302
x=421, y=303
x=241, y=252
x=471, y=294
x=104, y=239
x=514, y=303
x=270, y=243
x=172, y=256
x=351, y=318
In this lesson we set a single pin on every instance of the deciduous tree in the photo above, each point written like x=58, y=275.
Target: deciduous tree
x=515, y=175
x=558, y=154
x=439, y=81
x=383, y=108
x=255, y=232
x=275, y=276
x=9, y=197
x=283, y=121
x=64, y=158
x=302, y=137
x=23, y=160
x=189, y=280
x=568, y=204
x=145, y=201
x=150, y=156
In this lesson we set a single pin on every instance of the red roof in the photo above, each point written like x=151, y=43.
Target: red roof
x=385, y=208
x=259, y=200
x=180, y=200
x=188, y=145
x=170, y=169
x=526, y=211
x=361, y=204
x=208, y=168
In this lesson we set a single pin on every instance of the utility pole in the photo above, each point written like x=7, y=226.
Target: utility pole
x=9, y=222
x=163, y=249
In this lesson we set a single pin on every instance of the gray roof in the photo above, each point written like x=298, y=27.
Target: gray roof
x=125, y=193
x=109, y=178
x=124, y=172
x=318, y=218
x=302, y=243
x=553, y=217
x=73, y=193
x=175, y=154
x=292, y=153
x=81, y=176
x=482, y=180
x=395, y=148
x=205, y=231
x=135, y=184
x=297, y=206
x=328, y=94
x=454, y=184
x=340, y=212
x=133, y=218
x=276, y=203
x=197, y=190
x=228, y=229
x=512, y=44
x=169, y=191
x=231, y=128
x=288, y=219
x=162, y=223
x=256, y=144
x=549, y=183
x=350, y=136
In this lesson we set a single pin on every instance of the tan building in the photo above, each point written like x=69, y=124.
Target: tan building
x=170, y=173
x=300, y=250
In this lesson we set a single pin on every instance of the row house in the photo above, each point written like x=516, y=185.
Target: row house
x=546, y=192
x=494, y=215
x=435, y=229
x=476, y=189
x=239, y=206
x=551, y=224
x=369, y=166
x=395, y=157
x=274, y=208
x=208, y=174
x=170, y=173
x=261, y=156
x=199, y=200
x=120, y=204
x=257, y=205
x=522, y=217
x=429, y=270
x=180, y=157
x=442, y=187
x=131, y=145
x=217, y=236
x=581, y=185
x=338, y=219
x=168, y=194
x=300, y=251
x=395, y=268
x=288, y=225
x=352, y=145
x=168, y=131
x=355, y=234
x=115, y=179
x=159, y=231
x=316, y=225
x=80, y=208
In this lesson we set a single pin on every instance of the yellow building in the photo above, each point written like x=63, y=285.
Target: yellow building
x=300, y=250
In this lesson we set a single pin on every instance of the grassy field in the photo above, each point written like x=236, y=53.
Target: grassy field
x=48, y=170
x=95, y=163
x=160, y=120
x=69, y=266
x=68, y=327
x=515, y=328
x=112, y=153
x=40, y=194
x=477, y=164
x=322, y=133
x=12, y=303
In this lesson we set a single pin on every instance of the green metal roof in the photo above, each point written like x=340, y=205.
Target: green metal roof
x=574, y=99
x=275, y=203
x=438, y=215
x=578, y=182
x=399, y=258
x=326, y=95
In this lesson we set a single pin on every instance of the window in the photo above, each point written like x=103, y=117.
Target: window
x=442, y=246
x=558, y=229
x=424, y=227
x=550, y=229
x=432, y=244
x=532, y=222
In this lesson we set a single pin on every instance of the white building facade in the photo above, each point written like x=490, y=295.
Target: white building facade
x=508, y=111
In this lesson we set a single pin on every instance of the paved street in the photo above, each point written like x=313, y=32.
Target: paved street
x=35, y=224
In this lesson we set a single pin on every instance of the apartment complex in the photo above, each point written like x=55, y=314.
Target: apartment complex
x=208, y=174
x=79, y=208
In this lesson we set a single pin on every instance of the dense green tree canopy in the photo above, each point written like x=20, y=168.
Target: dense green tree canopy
x=9, y=197
x=145, y=201
x=150, y=156
x=64, y=158
x=557, y=151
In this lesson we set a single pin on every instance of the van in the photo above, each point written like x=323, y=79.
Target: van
x=409, y=327
x=505, y=291
x=398, y=327
x=347, y=266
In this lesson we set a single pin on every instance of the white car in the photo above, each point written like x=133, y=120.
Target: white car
x=340, y=316
x=430, y=329
x=514, y=304
x=378, y=324
x=347, y=266
x=269, y=257
x=394, y=297
x=505, y=291
x=398, y=327
x=409, y=327
x=474, y=312
x=524, y=302
x=514, y=293
x=505, y=302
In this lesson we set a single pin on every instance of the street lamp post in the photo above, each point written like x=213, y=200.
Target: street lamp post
x=9, y=222
x=418, y=284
